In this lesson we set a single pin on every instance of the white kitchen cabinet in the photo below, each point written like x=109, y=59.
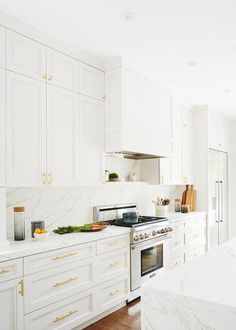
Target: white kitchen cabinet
x=218, y=132
x=138, y=114
x=26, y=130
x=2, y=130
x=62, y=136
x=62, y=70
x=188, y=156
x=91, y=140
x=11, y=302
x=2, y=47
x=91, y=81
x=25, y=56
x=155, y=171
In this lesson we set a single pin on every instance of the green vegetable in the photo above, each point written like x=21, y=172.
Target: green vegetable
x=113, y=176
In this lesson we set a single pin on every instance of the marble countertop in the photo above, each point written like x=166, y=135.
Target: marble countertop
x=175, y=216
x=198, y=295
x=54, y=241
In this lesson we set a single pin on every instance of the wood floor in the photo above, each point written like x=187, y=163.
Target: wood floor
x=127, y=318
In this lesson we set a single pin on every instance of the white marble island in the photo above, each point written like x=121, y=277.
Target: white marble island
x=200, y=295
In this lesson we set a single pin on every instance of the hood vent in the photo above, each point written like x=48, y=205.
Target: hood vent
x=131, y=155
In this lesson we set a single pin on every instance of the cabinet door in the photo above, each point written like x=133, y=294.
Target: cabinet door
x=62, y=70
x=177, y=157
x=91, y=81
x=26, y=130
x=164, y=168
x=223, y=134
x=2, y=47
x=2, y=130
x=25, y=56
x=92, y=140
x=11, y=302
x=188, y=156
x=213, y=130
x=62, y=135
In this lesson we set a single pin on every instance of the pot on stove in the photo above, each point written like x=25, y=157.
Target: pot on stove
x=130, y=217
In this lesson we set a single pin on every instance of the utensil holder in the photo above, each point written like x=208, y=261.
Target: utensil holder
x=161, y=211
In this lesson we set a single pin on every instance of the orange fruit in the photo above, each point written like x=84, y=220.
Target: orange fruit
x=43, y=231
x=37, y=231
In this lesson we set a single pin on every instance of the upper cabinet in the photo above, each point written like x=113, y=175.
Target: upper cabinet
x=62, y=70
x=91, y=81
x=25, y=56
x=138, y=114
x=2, y=47
x=26, y=130
x=218, y=132
x=2, y=130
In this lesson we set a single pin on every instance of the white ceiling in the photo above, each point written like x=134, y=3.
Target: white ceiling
x=163, y=36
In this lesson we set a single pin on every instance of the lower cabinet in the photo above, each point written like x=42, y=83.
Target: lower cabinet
x=11, y=305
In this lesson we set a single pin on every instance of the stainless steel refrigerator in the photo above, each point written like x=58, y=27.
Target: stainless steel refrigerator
x=218, y=198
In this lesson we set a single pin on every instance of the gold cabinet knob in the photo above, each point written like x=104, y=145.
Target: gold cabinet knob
x=50, y=77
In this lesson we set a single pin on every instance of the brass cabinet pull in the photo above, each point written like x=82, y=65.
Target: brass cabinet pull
x=49, y=177
x=45, y=76
x=71, y=279
x=71, y=254
x=104, y=97
x=21, y=291
x=50, y=77
x=114, y=293
x=4, y=271
x=44, y=178
x=59, y=318
x=113, y=264
x=113, y=242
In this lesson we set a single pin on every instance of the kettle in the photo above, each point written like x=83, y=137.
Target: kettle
x=130, y=217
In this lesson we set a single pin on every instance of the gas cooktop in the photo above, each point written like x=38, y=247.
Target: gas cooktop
x=142, y=220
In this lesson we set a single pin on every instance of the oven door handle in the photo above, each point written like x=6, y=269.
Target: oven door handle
x=161, y=239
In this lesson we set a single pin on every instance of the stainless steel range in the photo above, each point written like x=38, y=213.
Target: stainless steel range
x=149, y=238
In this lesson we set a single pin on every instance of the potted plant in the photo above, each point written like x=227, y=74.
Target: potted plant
x=113, y=177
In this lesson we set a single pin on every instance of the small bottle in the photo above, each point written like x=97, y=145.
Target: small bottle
x=19, y=223
x=177, y=205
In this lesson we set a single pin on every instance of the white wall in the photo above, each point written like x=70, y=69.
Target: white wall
x=64, y=206
x=232, y=179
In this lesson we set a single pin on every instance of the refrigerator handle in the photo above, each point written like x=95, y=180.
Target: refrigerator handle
x=221, y=202
x=217, y=201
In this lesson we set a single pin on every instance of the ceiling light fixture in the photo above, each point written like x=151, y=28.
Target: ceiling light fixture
x=128, y=16
x=226, y=90
x=191, y=63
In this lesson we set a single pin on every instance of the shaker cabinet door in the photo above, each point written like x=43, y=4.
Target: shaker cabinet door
x=2, y=47
x=2, y=130
x=25, y=56
x=91, y=81
x=26, y=130
x=62, y=135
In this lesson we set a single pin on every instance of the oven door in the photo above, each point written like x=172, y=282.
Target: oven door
x=147, y=260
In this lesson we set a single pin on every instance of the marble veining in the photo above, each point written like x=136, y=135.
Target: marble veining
x=200, y=295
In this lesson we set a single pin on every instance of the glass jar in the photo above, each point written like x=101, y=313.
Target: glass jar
x=19, y=223
x=177, y=205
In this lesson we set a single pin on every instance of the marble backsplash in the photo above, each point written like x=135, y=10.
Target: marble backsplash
x=74, y=205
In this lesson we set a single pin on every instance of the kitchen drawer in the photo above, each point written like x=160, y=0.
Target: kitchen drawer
x=195, y=222
x=113, y=264
x=47, y=287
x=47, y=260
x=112, y=293
x=11, y=269
x=191, y=254
x=66, y=314
x=177, y=241
x=177, y=261
x=113, y=243
x=195, y=235
x=178, y=226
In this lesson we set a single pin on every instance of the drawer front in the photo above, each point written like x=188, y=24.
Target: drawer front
x=112, y=293
x=189, y=255
x=113, y=243
x=195, y=222
x=66, y=314
x=47, y=287
x=195, y=236
x=47, y=260
x=177, y=241
x=113, y=264
x=177, y=261
x=178, y=226
x=11, y=269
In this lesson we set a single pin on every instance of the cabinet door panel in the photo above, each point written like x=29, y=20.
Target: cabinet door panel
x=11, y=302
x=62, y=70
x=223, y=134
x=91, y=81
x=188, y=156
x=177, y=158
x=213, y=130
x=62, y=133
x=2, y=130
x=92, y=140
x=2, y=47
x=25, y=55
x=26, y=130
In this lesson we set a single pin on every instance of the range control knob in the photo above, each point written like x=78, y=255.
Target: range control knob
x=136, y=238
x=154, y=233
x=146, y=235
x=141, y=236
x=170, y=229
x=166, y=230
x=162, y=231
x=159, y=232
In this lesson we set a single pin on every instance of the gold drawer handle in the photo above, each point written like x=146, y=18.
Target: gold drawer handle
x=114, y=293
x=71, y=279
x=113, y=243
x=59, y=318
x=71, y=254
x=4, y=271
x=116, y=263
x=21, y=291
